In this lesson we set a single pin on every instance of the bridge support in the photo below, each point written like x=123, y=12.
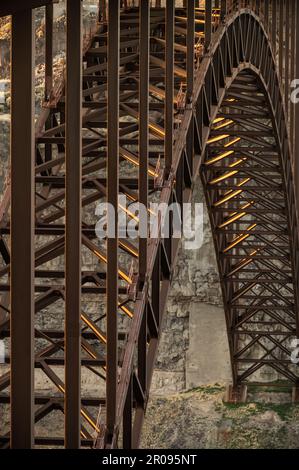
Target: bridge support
x=152, y=117
x=73, y=226
x=112, y=198
x=22, y=231
x=296, y=157
x=236, y=394
x=295, y=394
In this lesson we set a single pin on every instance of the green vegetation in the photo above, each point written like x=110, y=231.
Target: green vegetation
x=279, y=386
x=208, y=389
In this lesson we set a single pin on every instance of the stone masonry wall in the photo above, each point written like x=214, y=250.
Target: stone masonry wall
x=193, y=349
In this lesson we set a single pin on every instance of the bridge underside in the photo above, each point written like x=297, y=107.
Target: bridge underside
x=242, y=174
x=169, y=95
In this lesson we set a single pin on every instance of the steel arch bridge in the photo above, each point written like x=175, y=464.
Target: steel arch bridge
x=171, y=93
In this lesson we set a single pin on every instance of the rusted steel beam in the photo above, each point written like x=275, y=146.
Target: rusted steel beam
x=48, y=70
x=258, y=6
x=222, y=10
x=190, y=83
x=10, y=7
x=169, y=84
x=266, y=14
x=274, y=25
x=190, y=47
x=73, y=203
x=112, y=198
x=296, y=153
x=144, y=14
x=22, y=230
x=293, y=7
x=208, y=24
x=287, y=60
x=281, y=49
x=142, y=360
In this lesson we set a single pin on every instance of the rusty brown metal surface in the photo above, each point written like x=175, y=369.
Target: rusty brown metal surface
x=22, y=233
x=73, y=222
x=206, y=95
x=113, y=46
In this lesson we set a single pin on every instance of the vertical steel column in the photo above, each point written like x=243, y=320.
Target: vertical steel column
x=22, y=230
x=112, y=198
x=287, y=60
x=274, y=25
x=190, y=47
x=49, y=50
x=223, y=10
x=144, y=14
x=296, y=153
x=169, y=84
x=208, y=24
x=48, y=70
x=190, y=76
x=292, y=72
x=266, y=15
x=257, y=7
x=281, y=40
x=73, y=202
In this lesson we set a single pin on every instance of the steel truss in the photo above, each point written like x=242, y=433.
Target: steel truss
x=168, y=94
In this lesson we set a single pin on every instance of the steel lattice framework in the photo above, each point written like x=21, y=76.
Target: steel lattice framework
x=169, y=93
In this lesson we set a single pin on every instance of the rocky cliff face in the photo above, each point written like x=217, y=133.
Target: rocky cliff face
x=199, y=419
